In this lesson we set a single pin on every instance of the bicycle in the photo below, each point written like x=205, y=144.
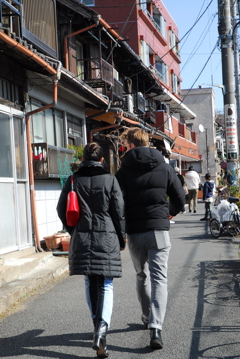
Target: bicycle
x=228, y=222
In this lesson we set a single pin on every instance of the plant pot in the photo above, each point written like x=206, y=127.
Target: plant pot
x=54, y=241
x=65, y=246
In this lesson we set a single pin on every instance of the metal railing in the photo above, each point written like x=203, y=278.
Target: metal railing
x=48, y=159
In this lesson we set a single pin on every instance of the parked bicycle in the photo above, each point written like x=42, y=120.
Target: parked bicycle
x=225, y=218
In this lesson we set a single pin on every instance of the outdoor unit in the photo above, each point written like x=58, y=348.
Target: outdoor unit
x=128, y=103
x=140, y=102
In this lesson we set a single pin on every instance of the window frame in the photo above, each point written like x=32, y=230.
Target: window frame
x=34, y=101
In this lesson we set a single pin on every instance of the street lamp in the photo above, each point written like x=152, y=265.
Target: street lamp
x=203, y=129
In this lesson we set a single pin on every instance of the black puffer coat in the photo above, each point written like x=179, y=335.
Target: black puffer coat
x=99, y=233
x=146, y=180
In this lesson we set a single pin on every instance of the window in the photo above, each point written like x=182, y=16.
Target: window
x=89, y=2
x=80, y=62
x=173, y=42
x=143, y=4
x=75, y=130
x=11, y=92
x=39, y=23
x=19, y=147
x=174, y=83
x=144, y=52
x=6, y=161
x=48, y=125
x=160, y=22
x=162, y=70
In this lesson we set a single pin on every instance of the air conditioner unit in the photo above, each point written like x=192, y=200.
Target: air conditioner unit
x=128, y=103
x=115, y=74
x=140, y=102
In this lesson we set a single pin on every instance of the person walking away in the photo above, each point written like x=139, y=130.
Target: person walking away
x=208, y=191
x=192, y=180
x=97, y=239
x=181, y=179
x=146, y=180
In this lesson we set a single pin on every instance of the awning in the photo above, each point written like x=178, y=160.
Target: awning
x=175, y=155
x=109, y=116
x=176, y=105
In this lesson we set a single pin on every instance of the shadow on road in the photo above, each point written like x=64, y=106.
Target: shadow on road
x=30, y=342
x=218, y=295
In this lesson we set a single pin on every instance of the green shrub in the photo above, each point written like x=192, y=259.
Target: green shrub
x=235, y=192
x=78, y=152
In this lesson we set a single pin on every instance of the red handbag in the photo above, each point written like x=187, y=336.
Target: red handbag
x=73, y=209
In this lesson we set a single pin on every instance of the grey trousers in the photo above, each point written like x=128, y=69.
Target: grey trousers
x=149, y=252
x=192, y=198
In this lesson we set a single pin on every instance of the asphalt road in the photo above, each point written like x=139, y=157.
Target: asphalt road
x=202, y=319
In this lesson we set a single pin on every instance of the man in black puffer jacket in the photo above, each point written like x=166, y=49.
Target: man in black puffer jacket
x=153, y=195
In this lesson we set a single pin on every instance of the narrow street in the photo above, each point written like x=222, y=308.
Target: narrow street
x=202, y=319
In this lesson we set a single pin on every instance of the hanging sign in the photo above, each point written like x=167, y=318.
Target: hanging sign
x=231, y=131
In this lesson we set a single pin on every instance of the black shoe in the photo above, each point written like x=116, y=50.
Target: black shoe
x=99, y=339
x=194, y=211
x=155, y=338
x=203, y=219
x=190, y=211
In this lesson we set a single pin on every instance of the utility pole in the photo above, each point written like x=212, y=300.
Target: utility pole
x=235, y=24
x=224, y=30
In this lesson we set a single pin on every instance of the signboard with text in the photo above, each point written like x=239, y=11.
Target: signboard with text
x=231, y=131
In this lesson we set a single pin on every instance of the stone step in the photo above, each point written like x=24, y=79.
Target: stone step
x=48, y=269
x=15, y=266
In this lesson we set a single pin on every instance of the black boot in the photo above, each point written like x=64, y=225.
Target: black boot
x=156, y=339
x=99, y=339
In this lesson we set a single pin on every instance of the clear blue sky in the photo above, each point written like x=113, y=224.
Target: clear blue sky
x=196, y=47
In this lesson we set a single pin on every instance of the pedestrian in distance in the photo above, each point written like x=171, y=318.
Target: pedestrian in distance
x=192, y=180
x=97, y=239
x=208, y=192
x=146, y=181
x=181, y=179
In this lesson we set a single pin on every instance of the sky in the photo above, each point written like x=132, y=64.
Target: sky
x=196, y=47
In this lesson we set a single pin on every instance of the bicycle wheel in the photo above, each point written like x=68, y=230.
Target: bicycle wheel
x=232, y=231
x=215, y=228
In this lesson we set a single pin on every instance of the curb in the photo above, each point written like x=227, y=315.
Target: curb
x=14, y=291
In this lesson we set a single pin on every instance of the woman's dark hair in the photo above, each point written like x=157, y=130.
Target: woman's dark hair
x=207, y=176
x=93, y=152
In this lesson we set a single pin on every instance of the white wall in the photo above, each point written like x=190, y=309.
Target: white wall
x=47, y=193
x=201, y=102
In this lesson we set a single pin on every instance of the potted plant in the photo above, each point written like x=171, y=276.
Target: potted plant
x=77, y=156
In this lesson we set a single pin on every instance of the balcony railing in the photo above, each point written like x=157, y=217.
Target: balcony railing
x=51, y=161
x=149, y=116
x=181, y=129
x=190, y=135
x=99, y=72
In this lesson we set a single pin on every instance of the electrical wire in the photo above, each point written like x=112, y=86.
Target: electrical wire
x=195, y=20
x=198, y=75
x=199, y=42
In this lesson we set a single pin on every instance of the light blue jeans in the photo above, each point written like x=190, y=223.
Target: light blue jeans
x=149, y=252
x=99, y=295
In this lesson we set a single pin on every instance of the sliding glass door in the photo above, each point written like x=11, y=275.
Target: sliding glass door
x=15, y=224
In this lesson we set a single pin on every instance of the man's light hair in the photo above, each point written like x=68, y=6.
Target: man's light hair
x=135, y=135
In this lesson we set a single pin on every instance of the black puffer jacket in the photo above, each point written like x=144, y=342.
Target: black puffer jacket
x=146, y=181
x=99, y=233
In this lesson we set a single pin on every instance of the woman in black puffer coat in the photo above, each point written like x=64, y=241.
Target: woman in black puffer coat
x=98, y=237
